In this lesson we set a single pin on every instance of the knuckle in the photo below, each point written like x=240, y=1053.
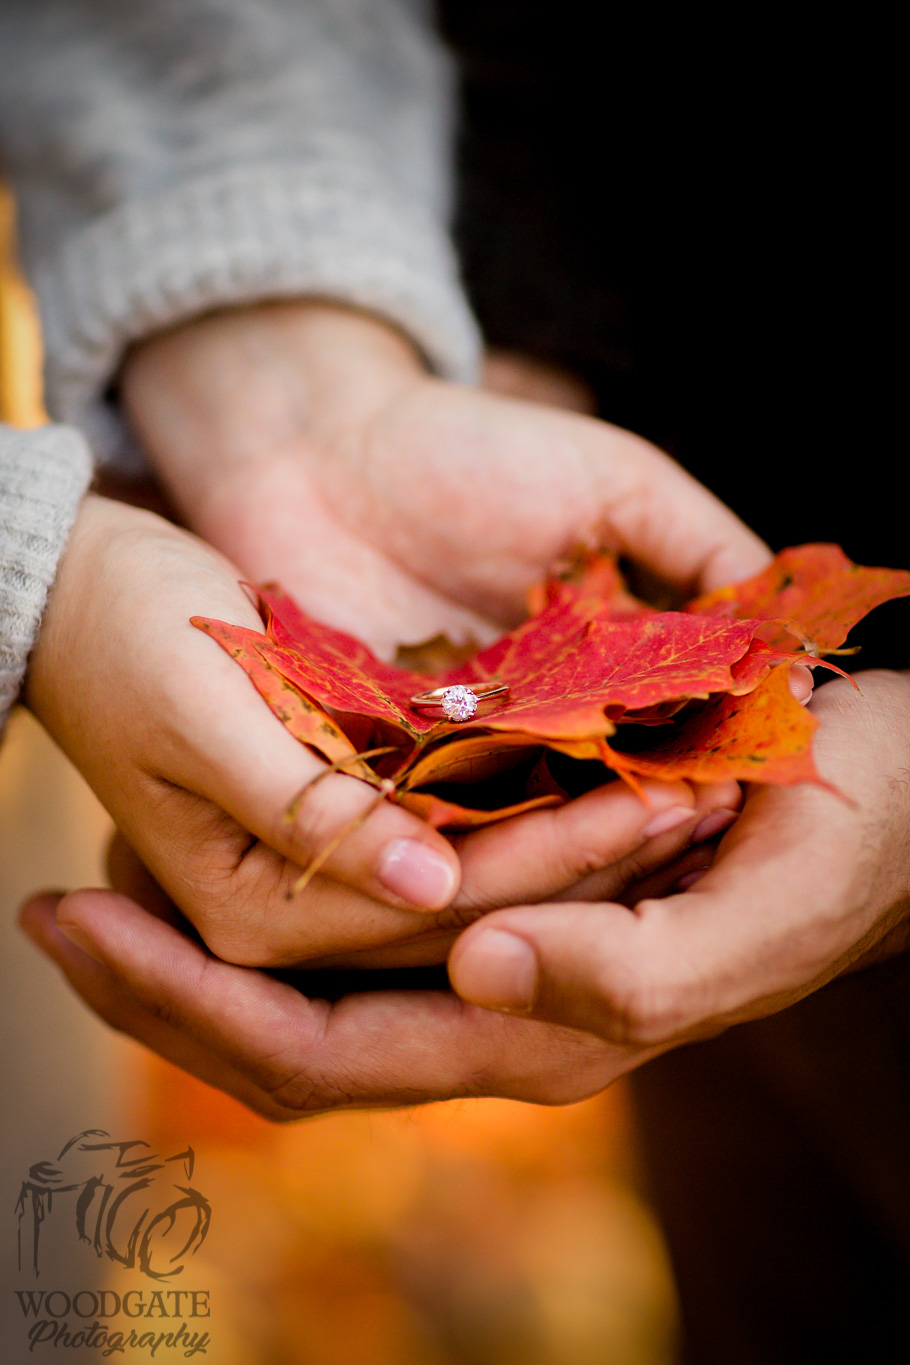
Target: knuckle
x=234, y=917
x=255, y=1098
x=178, y=1007
x=273, y=1113
x=290, y=1079
x=572, y=858
x=299, y=1093
x=582, y=860
x=562, y=1083
x=245, y=941
x=462, y=912
x=239, y=952
x=644, y=1005
x=306, y=827
x=293, y=1095
x=232, y=937
x=634, y=867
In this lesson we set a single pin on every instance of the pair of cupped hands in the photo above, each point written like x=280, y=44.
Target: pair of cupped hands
x=305, y=442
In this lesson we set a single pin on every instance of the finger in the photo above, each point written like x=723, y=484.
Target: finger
x=246, y=914
x=612, y=489
x=601, y=968
x=227, y=746
x=758, y=930
x=801, y=683
x=380, y=1048
x=546, y=853
x=241, y=900
x=677, y=876
x=715, y=810
x=254, y=917
x=203, y=728
x=666, y=520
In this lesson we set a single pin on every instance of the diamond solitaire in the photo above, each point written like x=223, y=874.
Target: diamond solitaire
x=458, y=702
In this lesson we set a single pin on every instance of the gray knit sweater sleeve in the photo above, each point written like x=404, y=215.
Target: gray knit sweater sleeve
x=171, y=156
x=43, y=475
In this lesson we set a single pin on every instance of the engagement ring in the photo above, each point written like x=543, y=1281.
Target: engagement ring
x=459, y=703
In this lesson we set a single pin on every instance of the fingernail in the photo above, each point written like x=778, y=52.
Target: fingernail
x=801, y=684
x=417, y=873
x=497, y=970
x=667, y=820
x=712, y=824
x=81, y=940
x=688, y=880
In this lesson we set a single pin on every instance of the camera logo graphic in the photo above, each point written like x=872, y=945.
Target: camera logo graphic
x=121, y=1199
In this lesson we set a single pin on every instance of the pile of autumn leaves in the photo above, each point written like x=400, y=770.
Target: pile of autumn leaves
x=595, y=676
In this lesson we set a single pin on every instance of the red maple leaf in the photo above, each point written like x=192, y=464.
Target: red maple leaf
x=813, y=594
x=699, y=694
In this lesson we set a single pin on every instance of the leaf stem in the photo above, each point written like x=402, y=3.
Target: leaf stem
x=338, y=766
x=386, y=788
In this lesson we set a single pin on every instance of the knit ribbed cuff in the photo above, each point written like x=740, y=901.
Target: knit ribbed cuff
x=43, y=476
x=239, y=236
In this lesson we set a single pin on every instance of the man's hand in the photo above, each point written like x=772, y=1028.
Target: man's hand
x=307, y=443
x=805, y=885
x=286, y=1056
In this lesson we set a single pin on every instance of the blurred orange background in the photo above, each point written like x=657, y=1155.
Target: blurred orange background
x=471, y=1233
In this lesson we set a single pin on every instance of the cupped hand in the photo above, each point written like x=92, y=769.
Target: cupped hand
x=284, y=1055
x=806, y=884
x=199, y=775
x=610, y=836
x=196, y=770
x=307, y=443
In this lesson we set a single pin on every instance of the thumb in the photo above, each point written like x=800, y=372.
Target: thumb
x=590, y=967
x=666, y=520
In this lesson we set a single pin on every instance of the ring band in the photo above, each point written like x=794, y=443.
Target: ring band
x=460, y=703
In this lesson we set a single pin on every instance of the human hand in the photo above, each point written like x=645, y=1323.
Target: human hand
x=609, y=835
x=198, y=774
x=307, y=443
x=806, y=885
x=193, y=766
x=286, y=1056
x=307, y=440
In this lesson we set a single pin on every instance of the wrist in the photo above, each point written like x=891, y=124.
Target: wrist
x=232, y=390
x=77, y=602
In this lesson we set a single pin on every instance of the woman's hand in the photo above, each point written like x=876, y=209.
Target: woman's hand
x=194, y=768
x=306, y=442
x=805, y=885
x=198, y=775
